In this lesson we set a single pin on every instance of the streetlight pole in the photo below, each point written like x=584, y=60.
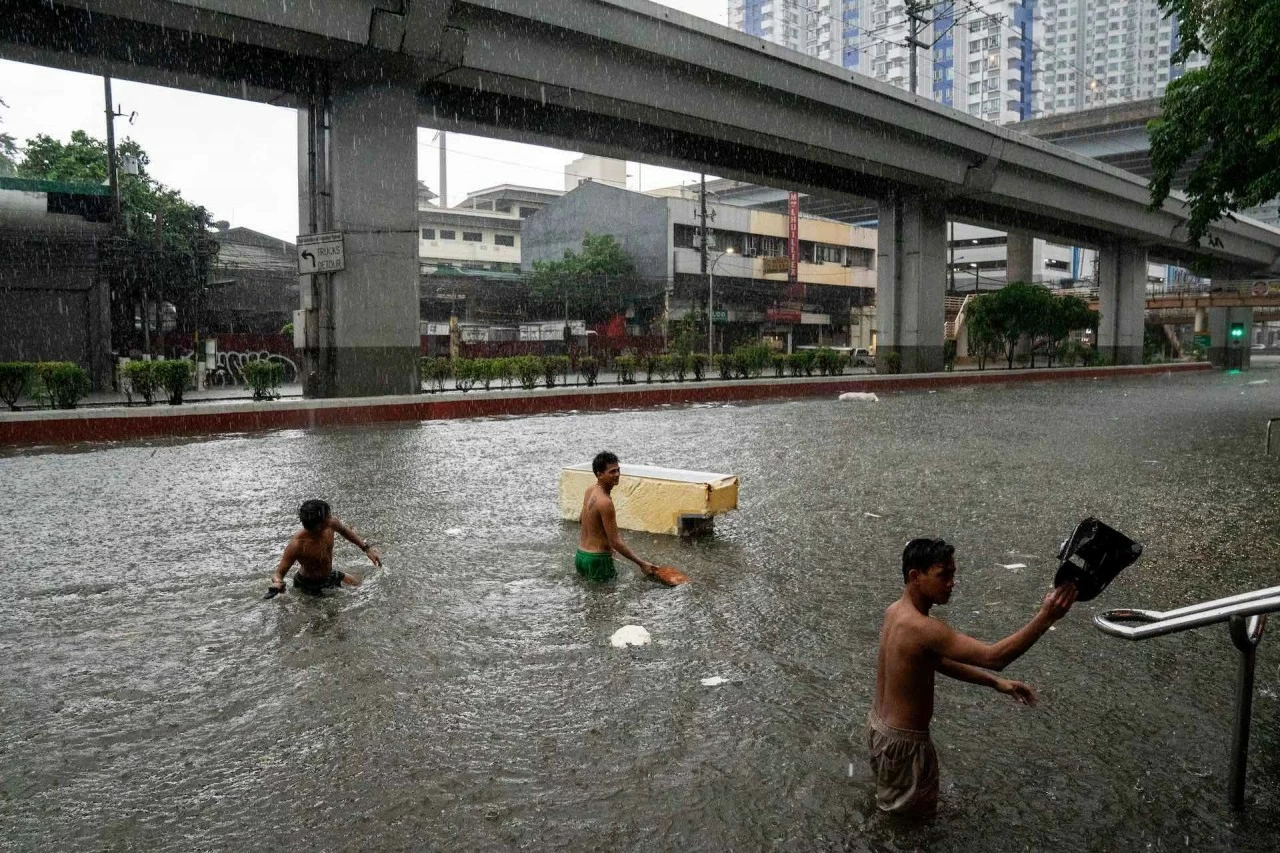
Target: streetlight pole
x=711, y=288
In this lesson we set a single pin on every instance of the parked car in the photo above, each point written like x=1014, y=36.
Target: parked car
x=862, y=357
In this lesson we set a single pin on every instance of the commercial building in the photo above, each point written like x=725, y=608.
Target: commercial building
x=747, y=265
x=480, y=235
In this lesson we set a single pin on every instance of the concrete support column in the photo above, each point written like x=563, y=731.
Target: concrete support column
x=1019, y=256
x=911, y=283
x=1225, y=351
x=366, y=342
x=1201, y=322
x=1122, y=286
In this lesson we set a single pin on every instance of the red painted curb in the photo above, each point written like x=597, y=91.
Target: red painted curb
x=88, y=425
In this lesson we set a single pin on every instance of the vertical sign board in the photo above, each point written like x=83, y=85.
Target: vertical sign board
x=793, y=246
x=320, y=253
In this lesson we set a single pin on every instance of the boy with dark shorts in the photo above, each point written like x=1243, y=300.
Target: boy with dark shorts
x=312, y=549
x=913, y=647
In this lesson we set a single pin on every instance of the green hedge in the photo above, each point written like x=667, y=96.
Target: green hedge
x=15, y=379
x=60, y=384
x=264, y=377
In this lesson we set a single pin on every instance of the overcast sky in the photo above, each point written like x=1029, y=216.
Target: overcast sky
x=239, y=158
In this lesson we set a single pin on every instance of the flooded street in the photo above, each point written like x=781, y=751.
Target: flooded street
x=466, y=698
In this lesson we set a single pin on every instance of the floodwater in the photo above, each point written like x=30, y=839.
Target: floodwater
x=467, y=698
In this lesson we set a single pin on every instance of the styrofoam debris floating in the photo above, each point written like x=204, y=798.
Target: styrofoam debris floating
x=714, y=681
x=859, y=397
x=1013, y=565
x=630, y=635
x=872, y=515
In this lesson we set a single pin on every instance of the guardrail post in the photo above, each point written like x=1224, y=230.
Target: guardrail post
x=1245, y=634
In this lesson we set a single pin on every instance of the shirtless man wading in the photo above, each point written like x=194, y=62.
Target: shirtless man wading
x=599, y=537
x=914, y=646
x=312, y=549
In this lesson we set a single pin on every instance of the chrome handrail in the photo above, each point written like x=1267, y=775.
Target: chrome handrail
x=1155, y=623
x=1246, y=617
x=1270, y=421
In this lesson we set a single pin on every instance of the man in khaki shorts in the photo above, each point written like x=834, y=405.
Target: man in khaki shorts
x=914, y=646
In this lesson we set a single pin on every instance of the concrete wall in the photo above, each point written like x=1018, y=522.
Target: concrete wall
x=637, y=222
x=52, y=307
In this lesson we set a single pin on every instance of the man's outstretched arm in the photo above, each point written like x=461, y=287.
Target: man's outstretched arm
x=972, y=675
x=609, y=519
x=287, y=559
x=964, y=649
x=350, y=536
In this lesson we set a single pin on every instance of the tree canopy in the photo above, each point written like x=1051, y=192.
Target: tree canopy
x=594, y=281
x=165, y=250
x=1227, y=114
x=997, y=321
x=8, y=150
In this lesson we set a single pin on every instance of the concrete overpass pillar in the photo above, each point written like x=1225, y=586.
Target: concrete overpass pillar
x=1122, y=286
x=365, y=338
x=1201, y=322
x=911, y=282
x=1019, y=256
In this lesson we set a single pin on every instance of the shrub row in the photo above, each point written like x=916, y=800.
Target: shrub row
x=531, y=371
x=145, y=378
x=56, y=384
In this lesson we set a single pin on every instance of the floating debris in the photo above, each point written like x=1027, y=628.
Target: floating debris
x=630, y=635
x=859, y=397
x=714, y=681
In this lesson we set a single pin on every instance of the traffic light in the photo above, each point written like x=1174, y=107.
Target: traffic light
x=1237, y=331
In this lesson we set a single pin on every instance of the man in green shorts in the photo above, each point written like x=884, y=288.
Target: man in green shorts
x=600, y=538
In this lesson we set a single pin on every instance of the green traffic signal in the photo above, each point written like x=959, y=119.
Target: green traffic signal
x=1237, y=330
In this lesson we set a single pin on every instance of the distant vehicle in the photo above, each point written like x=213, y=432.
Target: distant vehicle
x=1259, y=346
x=858, y=356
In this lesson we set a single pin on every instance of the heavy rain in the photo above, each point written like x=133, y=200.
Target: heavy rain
x=596, y=424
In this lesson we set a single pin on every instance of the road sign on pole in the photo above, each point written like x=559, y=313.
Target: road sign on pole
x=320, y=253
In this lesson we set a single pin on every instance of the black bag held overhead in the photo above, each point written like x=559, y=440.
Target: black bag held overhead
x=1093, y=556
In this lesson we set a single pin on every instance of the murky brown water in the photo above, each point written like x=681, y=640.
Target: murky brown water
x=467, y=697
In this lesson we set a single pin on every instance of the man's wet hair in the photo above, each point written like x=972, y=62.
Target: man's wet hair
x=313, y=514
x=602, y=461
x=921, y=554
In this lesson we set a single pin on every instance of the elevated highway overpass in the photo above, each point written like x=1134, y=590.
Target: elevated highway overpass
x=626, y=79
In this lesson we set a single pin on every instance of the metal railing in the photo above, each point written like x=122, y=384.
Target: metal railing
x=1246, y=618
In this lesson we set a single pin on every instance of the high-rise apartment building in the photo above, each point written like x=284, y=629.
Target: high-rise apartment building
x=1002, y=61
x=1098, y=52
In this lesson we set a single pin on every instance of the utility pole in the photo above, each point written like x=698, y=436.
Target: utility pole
x=444, y=175
x=702, y=251
x=702, y=232
x=915, y=10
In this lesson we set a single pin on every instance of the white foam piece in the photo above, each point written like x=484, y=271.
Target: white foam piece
x=859, y=397
x=1013, y=565
x=630, y=635
x=714, y=681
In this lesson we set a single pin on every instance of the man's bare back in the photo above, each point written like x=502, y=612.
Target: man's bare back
x=905, y=670
x=312, y=549
x=598, y=536
x=593, y=538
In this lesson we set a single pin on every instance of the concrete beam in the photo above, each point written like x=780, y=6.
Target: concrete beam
x=911, y=283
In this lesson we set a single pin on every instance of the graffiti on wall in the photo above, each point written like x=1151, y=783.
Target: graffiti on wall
x=229, y=366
